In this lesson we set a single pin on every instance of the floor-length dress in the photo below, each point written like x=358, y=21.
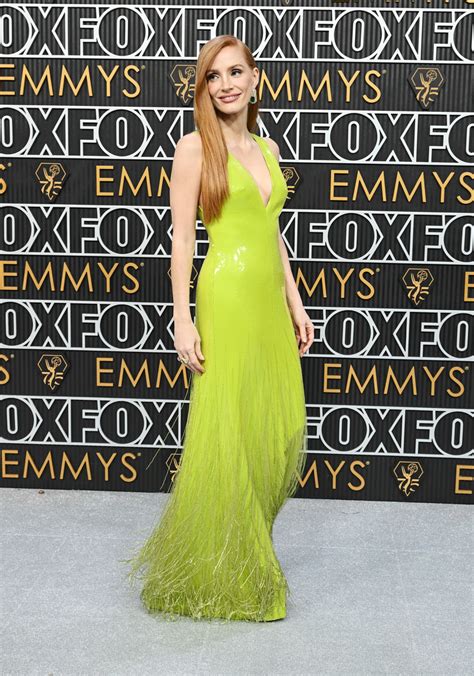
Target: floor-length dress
x=211, y=553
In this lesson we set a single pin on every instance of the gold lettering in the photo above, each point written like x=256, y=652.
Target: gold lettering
x=6, y=273
x=361, y=387
x=4, y=373
x=348, y=83
x=459, y=476
x=328, y=376
x=25, y=75
x=366, y=283
x=137, y=91
x=468, y=285
x=400, y=388
x=7, y=78
x=469, y=188
x=6, y=462
x=85, y=76
x=400, y=182
x=333, y=183
x=99, y=179
x=460, y=392
x=432, y=378
x=361, y=485
x=312, y=470
x=361, y=182
x=321, y=279
x=343, y=280
x=38, y=472
x=136, y=286
x=108, y=78
x=442, y=184
x=133, y=472
x=373, y=86
x=334, y=472
x=85, y=274
x=48, y=272
x=100, y=370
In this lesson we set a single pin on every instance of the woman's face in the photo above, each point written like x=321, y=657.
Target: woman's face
x=230, y=80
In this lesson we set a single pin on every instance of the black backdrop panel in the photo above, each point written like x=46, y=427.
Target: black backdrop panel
x=371, y=103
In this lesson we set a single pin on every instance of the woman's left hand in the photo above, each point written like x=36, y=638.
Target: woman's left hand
x=304, y=329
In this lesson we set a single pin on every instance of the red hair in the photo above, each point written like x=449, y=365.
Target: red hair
x=214, y=179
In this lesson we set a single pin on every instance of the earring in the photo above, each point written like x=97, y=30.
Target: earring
x=253, y=96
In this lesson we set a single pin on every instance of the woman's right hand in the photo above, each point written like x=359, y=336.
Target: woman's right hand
x=187, y=342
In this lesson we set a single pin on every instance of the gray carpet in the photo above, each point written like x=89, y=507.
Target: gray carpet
x=376, y=588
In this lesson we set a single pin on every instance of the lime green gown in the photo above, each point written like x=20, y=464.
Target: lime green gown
x=211, y=553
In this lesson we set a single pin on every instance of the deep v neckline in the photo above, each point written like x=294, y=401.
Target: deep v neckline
x=265, y=206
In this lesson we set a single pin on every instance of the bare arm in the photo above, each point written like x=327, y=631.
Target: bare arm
x=302, y=323
x=184, y=196
x=292, y=294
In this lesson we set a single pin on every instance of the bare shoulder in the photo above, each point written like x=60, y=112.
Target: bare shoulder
x=273, y=145
x=188, y=156
x=186, y=170
x=190, y=144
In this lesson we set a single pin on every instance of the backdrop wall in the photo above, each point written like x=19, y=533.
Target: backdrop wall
x=371, y=104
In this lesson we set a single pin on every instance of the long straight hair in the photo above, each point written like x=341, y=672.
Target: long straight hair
x=214, y=178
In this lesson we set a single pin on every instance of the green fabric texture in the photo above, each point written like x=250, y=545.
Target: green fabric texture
x=211, y=553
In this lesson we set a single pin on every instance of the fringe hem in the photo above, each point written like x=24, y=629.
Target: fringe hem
x=211, y=555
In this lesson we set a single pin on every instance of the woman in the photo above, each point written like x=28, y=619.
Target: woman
x=211, y=554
